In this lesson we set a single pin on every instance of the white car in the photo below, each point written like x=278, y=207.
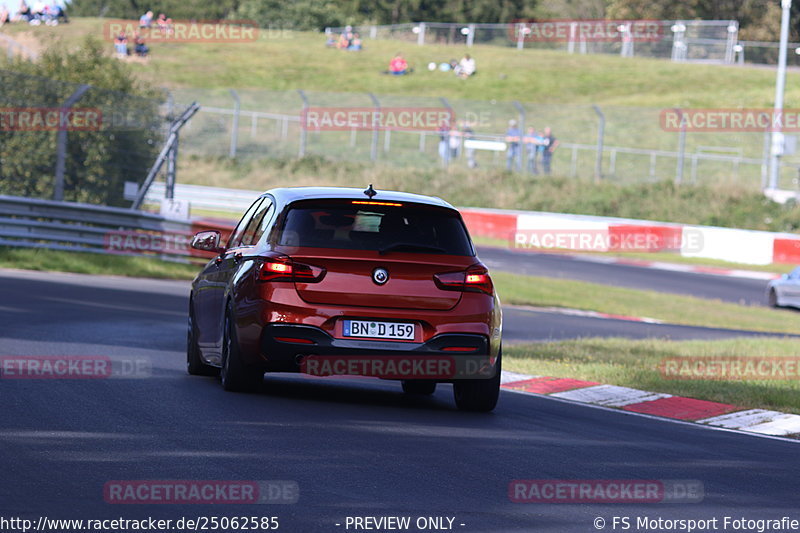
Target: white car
x=785, y=291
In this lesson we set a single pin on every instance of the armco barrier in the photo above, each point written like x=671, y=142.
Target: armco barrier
x=71, y=226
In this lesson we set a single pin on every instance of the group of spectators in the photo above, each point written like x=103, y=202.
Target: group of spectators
x=140, y=48
x=348, y=40
x=40, y=13
x=463, y=69
x=451, y=143
x=538, y=146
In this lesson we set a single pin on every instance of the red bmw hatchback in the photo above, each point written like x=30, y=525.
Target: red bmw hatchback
x=332, y=275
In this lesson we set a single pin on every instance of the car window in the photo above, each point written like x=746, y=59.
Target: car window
x=795, y=273
x=258, y=223
x=236, y=236
x=356, y=226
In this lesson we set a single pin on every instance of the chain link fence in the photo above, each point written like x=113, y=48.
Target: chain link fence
x=711, y=41
x=615, y=143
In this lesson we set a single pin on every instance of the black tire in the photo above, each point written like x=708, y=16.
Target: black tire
x=772, y=298
x=234, y=374
x=419, y=386
x=478, y=395
x=195, y=366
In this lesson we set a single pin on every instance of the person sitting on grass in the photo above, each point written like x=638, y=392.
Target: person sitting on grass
x=398, y=66
x=24, y=13
x=355, y=44
x=466, y=67
x=140, y=47
x=5, y=15
x=121, y=45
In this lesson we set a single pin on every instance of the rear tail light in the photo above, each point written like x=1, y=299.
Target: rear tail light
x=284, y=269
x=475, y=279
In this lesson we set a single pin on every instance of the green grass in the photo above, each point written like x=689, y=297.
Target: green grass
x=556, y=88
x=672, y=308
x=296, y=60
x=634, y=363
x=96, y=264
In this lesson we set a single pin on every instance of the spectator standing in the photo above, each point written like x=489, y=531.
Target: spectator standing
x=512, y=145
x=467, y=134
x=444, y=143
x=549, y=144
x=5, y=15
x=533, y=143
x=454, y=141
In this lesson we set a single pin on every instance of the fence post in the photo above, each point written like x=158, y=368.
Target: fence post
x=373, y=152
x=471, y=35
x=601, y=128
x=571, y=43
x=235, y=130
x=421, y=34
x=303, y=130
x=523, y=155
x=61, y=145
x=733, y=38
x=172, y=165
x=681, y=149
x=520, y=36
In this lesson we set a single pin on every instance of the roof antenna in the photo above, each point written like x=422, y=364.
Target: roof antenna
x=370, y=192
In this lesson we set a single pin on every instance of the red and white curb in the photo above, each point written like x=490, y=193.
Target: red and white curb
x=657, y=404
x=583, y=313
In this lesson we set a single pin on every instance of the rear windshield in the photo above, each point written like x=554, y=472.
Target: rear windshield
x=359, y=225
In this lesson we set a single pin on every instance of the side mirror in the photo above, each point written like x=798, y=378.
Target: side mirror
x=784, y=276
x=208, y=241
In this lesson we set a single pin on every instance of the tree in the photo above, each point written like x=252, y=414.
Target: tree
x=98, y=161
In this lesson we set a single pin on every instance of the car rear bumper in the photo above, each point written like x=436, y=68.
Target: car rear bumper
x=284, y=345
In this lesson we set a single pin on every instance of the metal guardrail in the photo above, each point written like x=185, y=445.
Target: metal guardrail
x=36, y=223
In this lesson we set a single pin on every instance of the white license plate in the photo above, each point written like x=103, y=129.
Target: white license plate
x=378, y=330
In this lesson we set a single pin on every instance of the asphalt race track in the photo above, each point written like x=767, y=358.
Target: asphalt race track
x=355, y=447
x=728, y=289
